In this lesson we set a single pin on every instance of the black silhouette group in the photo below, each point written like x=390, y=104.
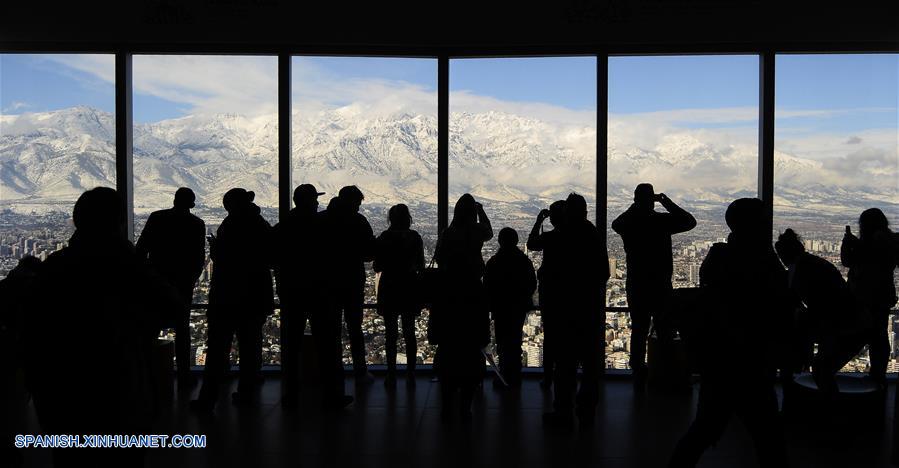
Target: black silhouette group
x=746, y=285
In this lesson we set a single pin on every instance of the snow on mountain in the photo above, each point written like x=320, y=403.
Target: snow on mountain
x=50, y=158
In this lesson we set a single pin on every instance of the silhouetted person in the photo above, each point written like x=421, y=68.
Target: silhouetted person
x=646, y=234
x=510, y=281
x=831, y=319
x=548, y=275
x=871, y=259
x=353, y=244
x=741, y=282
x=581, y=322
x=301, y=290
x=461, y=320
x=173, y=241
x=399, y=257
x=240, y=299
x=89, y=333
x=15, y=297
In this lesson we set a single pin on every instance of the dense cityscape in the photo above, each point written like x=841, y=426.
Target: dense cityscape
x=41, y=235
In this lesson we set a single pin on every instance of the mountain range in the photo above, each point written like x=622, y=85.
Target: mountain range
x=48, y=159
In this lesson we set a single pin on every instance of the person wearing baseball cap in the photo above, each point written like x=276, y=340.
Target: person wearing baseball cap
x=240, y=299
x=300, y=289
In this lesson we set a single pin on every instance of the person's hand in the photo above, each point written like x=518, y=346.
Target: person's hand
x=544, y=213
x=479, y=205
x=661, y=197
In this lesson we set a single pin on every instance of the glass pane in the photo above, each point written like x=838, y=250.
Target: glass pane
x=371, y=122
x=688, y=125
x=836, y=140
x=522, y=135
x=208, y=123
x=57, y=139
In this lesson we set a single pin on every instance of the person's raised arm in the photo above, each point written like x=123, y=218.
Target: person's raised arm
x=535, y=239
x=484, y=224
x=680, y=220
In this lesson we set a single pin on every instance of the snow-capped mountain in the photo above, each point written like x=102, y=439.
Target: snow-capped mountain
x=50, y=158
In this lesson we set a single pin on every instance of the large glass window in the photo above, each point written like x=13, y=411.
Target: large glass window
x=836, y=140
x=371, y=122
x=57, y=139
x=522, y=134
x=689, y=126
x=209, y=123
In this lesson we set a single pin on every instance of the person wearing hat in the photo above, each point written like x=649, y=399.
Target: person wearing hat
x=351, y=243
x=240, y=299
x=173, y=242
x=300, y=286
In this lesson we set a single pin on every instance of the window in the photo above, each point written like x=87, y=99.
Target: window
x=835, y=152
x=57, y=139
x=209, y=123
x=689, y=126
x=371, y=122
x=522, y=135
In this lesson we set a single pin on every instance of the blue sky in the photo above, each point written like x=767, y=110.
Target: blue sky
x=852, y=92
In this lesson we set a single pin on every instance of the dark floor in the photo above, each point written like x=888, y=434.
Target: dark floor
x=402, y=428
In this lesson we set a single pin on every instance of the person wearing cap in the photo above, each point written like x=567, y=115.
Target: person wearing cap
x=240, y=299
x=350, y=243
x=300, y=286
x=173, y=243
x=646, y=234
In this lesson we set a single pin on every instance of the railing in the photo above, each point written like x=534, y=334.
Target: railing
x=616, y=352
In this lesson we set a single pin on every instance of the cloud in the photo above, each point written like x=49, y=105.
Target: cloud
x=16, y=106
x=201, y=84
x=853, y=140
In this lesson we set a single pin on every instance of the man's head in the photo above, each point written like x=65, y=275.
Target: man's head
x=557, y=213
x=185, y=198
x=575, y=208
x=352, y=197
x=508, y=238
x=237, y=199
x=97, y=213
x=305, y=197
x=644, y=196
x=745, y=216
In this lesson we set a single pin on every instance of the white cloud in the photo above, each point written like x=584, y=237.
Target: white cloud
x=16, y=106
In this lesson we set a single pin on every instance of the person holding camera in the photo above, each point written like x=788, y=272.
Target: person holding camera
x=646, y=234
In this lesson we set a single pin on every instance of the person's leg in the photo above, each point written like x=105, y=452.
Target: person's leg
x=590, y=352
x=565, y=378
x=501, y=333
x=759, y=413
x=712, y=414
x=326, y=335
x=290, y=349
x=410, y=341
x=640, y=322
x=249, y=342
x=182, y=341
x=879, y=348
x=549, y=358
x=218, y=357
x=391, y=335
x=352, y=314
